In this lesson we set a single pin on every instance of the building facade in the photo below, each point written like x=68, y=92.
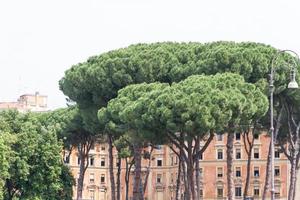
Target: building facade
x=27, y=102
x=164, y=170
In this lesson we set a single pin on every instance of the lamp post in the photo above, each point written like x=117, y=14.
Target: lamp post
x=293, y=85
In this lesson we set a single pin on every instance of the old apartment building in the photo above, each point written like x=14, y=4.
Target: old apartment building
x=164, y=165
x=27, y=102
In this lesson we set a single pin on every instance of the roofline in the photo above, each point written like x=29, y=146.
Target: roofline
x=33, y=95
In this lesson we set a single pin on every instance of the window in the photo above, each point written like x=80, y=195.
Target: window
x=102, y=148
x=238, y=136
x=201, y=192
x=117, y=162
x=201, y=156
x=238, y=191
x=256, y=191
x=220, y=154
x=238, y=172
x=92, y=194
x=277, y=153
x=158, y=178
x=277, y=171
x=92, y=177
x=102, y=179
x=238, y=154
x=102, y=163
x=176, y=160
x=67, y=159
x=159, y=162
x=219, y=137
x=201, y=172
x=92, y=161
x=277, y=191
x=256, y=136
x=256, y=153
x=172, y=160
x=220, y=192
x=256, y=172
x=172, y=179
x=219, y=172
x=78, y=160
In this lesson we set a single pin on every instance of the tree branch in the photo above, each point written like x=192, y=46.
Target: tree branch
x=211, y=137
x=278, y=122
x=197, y=144
x=175, y=141
x=246, y=142
x=172, y=148
x=289, y=125
x=284, y=151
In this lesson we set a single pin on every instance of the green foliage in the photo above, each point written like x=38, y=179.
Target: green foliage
x=98, y=80
x=6, y=158
x=67, y=181
x=201, y=104
x=31, y=155
x=69, y=124
x=123, y=114
x=92, y=84
x=228, y=93
x=122, y=144
x=197, y=105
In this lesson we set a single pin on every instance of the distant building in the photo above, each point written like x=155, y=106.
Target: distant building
x=164, y=169
x=27, y=102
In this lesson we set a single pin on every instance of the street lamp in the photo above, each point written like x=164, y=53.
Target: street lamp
x=293, y=85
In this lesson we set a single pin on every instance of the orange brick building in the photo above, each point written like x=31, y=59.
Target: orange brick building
x=164, y=165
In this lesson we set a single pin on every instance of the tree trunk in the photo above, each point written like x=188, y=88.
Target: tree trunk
x=126, y=179
x=293, y=178
x=137, y=192
x=296, y=194
x=247, y=184
x=197, y=168
x=295, y=188
x=111, y=168
x=229, y=153
x=191, y=180
x=83, y=151
x=127, y=176
x=178, y=180
x=80, y=181
x=293, y=139
x=148, y=170
x=297, y=173
x=119, y=179
x=185, y=179
x=189, y=155
x=267, y=178
x=248, y=144
x=9, y=190
x=190, y=170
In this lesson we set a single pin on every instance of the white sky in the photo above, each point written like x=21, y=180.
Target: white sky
x=39, y=39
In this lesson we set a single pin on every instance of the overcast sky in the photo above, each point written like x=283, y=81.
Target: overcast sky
x=39, y=40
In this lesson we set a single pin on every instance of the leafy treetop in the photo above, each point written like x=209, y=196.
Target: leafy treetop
x=194, y=106
x=96, y=81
